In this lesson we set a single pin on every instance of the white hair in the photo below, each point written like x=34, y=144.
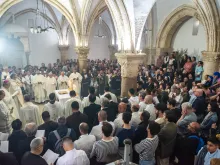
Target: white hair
x=30, y=129
x=35, y=143
x=187, y=106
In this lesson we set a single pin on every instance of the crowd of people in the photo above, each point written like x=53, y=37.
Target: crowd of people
x=172, y=117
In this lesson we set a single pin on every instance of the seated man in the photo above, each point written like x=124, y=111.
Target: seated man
x=58, y=134
x=187, y=117
x=106, y=150
x=97, y=130
x=48, y=125
x=85, y=141
x=33, y=157
x=72, y=156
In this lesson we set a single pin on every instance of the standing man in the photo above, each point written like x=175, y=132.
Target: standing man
x=75, y=80
x=5, y=126
x=39, y=88
x=5, y=74
x=85, y=83
x=62, y=81
x=51, y=84
x=27, y=80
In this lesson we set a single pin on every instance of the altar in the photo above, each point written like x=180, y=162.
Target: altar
x=62, y=97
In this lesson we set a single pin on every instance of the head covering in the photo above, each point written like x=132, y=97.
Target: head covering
x=5, y=82
x=216, y=74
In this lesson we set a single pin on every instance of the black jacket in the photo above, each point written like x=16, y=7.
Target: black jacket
x=48, y=126
x=111, y=111
x=7, y=159
x=92, y=112
x=199, y=105
x=14, y=139
x=73, y=121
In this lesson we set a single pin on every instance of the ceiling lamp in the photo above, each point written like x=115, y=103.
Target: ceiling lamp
x=35, y=26
x=100, y=33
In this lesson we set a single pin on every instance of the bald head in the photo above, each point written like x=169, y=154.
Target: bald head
x=102, y=116
x=122, y=107
x=194, y=127
x=84, y=128
x=198, y=92
x=148, y=99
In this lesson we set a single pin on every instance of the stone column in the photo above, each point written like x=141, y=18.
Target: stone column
x=27, y=54
x=211, y=62
x=129, y=70
x=113, y=49
x=63, y=52
x=82, y=57
x=151, y=55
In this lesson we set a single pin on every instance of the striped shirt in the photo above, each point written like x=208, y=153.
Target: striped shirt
x=101, y=149
x=147, y=147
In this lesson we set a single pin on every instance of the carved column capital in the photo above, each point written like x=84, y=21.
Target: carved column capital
x=211, y=56
x=113, y=49
x=82, y=57
x=129, y=63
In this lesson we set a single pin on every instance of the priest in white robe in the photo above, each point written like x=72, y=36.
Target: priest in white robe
x=54, y=108
x=62, y=81
x=5, y=125
x=30, y=112
x=67, y=106
x=75, y=80
x=15, y=90
x=5, y=74
x=39, y=88
x=51, y=84
x=9, y=102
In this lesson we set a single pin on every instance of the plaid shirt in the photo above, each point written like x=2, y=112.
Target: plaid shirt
x=5, y=125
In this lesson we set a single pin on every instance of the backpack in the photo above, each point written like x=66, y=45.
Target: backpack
x=201, y=143
x=58, y=145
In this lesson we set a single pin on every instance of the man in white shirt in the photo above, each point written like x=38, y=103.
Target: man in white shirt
x=133, y=99
x=150, y=107
x=107, y=91
x=62, y=81
x=142, y=103
x=86, y=101
x=118, y=122
x=30, y=112
x=97, y=130
x=85, y=141
x=54, y=108
x=67, y=106
x=72, y=156
x=135, y=119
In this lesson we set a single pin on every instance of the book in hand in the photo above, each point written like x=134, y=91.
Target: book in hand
x=4, y=146
x=50, y=157
x=4, y=136
x=40, y=133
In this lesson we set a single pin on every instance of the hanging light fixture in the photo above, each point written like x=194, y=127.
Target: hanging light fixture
x=100, y=34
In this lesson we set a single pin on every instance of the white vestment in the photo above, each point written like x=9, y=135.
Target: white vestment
x=62, y=82
x=114, y=98
x=16, y=93
x=39, y=88
x=30, y=113
x=5, y=76
x=5, y=125
x=9, y=102
x=86, y=101
x=55, y=110
x=68, y=108
x=51, y=84
x=75, y=82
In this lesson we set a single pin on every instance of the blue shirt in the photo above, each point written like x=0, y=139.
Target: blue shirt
x=210, y=156
x=198, y=73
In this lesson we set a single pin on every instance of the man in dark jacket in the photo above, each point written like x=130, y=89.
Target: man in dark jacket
x=48, y=125
x=62, y=131
x=73, y=121
x=186, y=145
x=199, y=105
x=7, y=159
x=112, y=108
x=167, y=137
x=16, y=136
x=92, y=112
